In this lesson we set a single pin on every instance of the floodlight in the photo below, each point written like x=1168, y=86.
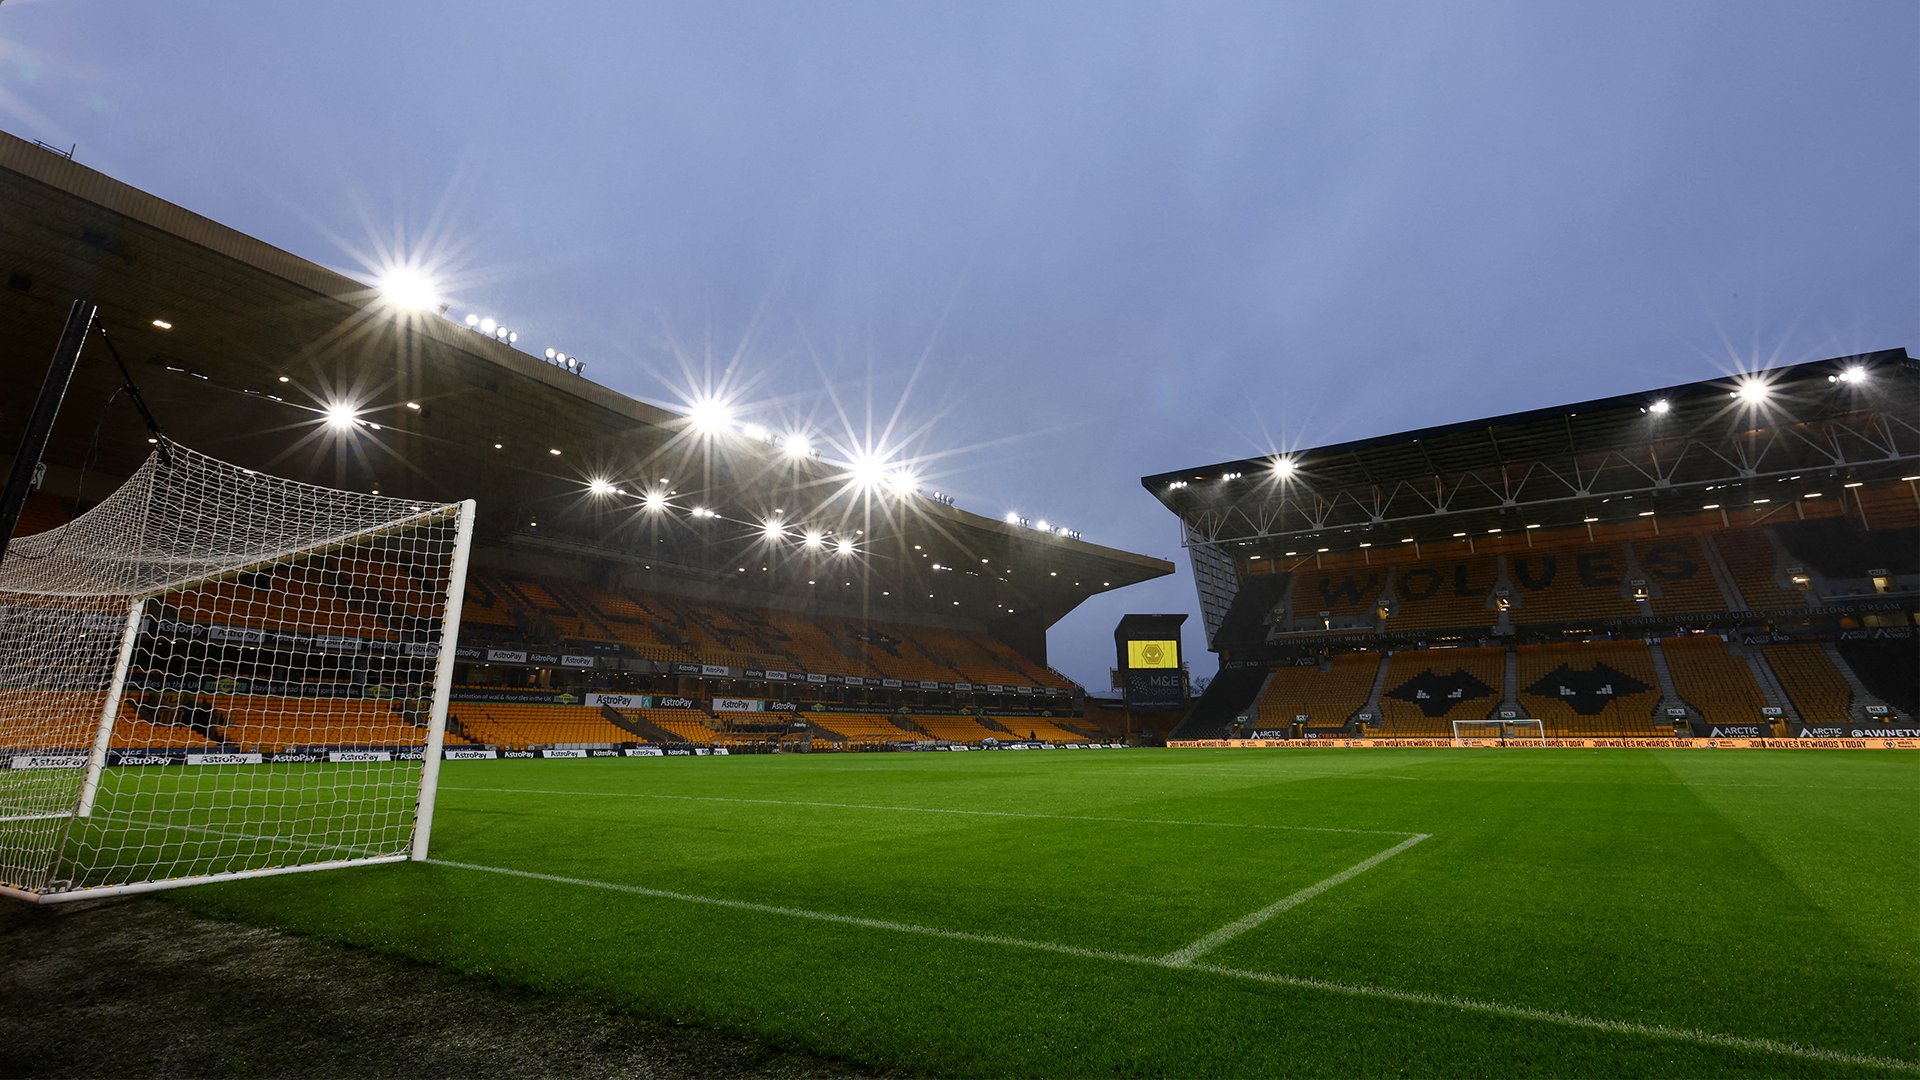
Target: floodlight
x=487, y=325
x=472, y=319
x=501, y=332
x=814, y=540
x=773, y=530
x=798, y=446
x=1013, y=517
x=341, y=416
x=512, y=336
x=551, y=354
x=754, y=431
x=656, y=501
x=1854, y=374
x=405, y=287
x=600, y=486
x=710, y=415
x=1043, y=526
x=1284, y=467
x=163, y=324
x=1660, y=406
x=868, y=472
x=573, y=363
x=844, y=547
x=1752, y=391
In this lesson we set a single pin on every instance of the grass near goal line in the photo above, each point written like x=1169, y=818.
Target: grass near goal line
x=1232, y=913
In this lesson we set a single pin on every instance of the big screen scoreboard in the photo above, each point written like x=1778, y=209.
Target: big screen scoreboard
x=1147, y=648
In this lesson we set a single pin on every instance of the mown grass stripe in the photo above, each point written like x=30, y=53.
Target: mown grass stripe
x=1379, y=993
x=1184, y=956
x=933, y=810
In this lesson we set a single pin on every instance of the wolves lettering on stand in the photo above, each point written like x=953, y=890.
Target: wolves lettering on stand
x=1669, y=562
x=1523, y=572
x=1349, y=592
x=1435, y=693
x=1588, y=692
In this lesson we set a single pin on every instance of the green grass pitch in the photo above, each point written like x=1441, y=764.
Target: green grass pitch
x=1188, y=912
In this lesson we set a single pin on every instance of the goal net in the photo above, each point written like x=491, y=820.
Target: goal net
x=1498, y=732
x=216, y=673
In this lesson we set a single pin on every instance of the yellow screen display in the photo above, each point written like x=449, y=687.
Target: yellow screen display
x=1153, y=654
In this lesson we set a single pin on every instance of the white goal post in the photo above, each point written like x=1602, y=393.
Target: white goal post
x=1499, y=732
x=215, y=673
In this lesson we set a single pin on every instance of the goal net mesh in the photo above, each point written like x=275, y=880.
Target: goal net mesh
x=215, y=671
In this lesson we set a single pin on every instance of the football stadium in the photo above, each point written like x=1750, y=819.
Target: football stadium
x=1579, y=741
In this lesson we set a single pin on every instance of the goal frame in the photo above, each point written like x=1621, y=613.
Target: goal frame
x=417, y=844
x=1506, y=735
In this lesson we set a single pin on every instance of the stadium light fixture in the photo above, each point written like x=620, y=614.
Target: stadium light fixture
x=1853, y=484
x=1013, y=517
x=773, y=530
x=798, y=446
x=1284, y=467
x=551, y=353
x=414, y=405
x=814, y=540
x=655, y=501
x=162, y=324
x=601, y=486
x=341, y=416
x=487, y=326
x=1752, y=391
x=407, y=288
x=844, y=547
x=867, y=472
x=472, y=319
x=283, y=378
x=710, y=415
x=1707, y=506
x=1591, y=520
x=555, y=453
x=1854, y=374
x=1660, y=407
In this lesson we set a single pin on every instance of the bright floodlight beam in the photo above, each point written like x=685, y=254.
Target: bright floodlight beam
x=798, y=446
x=773, y=530
x=1854, y=374
x=1660, y=406
x=844, y=547
x=407, y=288
x=600, y=486
x=341, y=416
x=1752, y=391
x=655, y=501
x=710, y=415
x=1283, y=467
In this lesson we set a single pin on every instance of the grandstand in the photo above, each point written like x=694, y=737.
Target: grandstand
x=1610, y=568
x=661, y=581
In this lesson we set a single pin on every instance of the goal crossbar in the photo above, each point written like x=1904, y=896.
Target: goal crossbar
x=1499, y=732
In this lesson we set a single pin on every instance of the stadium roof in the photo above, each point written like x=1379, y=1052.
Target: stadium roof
x=1757, y=436
x=241, y=348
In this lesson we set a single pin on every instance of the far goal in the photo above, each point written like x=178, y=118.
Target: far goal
x=1499, y=733
x=216, y=673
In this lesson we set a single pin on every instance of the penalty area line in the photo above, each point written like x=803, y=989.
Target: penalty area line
x=1378, y=993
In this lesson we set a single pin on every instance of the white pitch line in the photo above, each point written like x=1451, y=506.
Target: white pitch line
x=936, y=810
x=1412, y=997
x=1187, y=955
